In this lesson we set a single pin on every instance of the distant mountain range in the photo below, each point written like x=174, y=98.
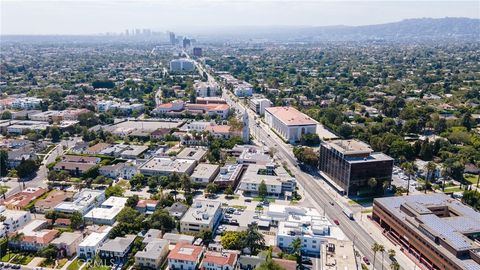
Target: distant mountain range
x=405, y=30
x=445, y=28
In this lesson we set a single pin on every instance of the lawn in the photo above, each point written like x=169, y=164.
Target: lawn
x=471, y=178
x=61, y=263
x=453, y=189
x=22, y=259
x=75, y=265
x=259, y=199
x=8, y=257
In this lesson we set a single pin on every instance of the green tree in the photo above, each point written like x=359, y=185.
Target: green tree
x=391, y=253
x=3, y=162
x=161, y=220
x=6, y=115
x=211, y=188
x=395, y=265
x=76, y=220
x=296, y=247
x=409, y=168
x=114, y=191
x=254, y=240
x=26, y=168
x=132, y=201
x=375, y=248
x=186, y=183
x=269, y=264
x=430, y=177
x=52, y=214
x=228, y=191
x=49, y=252
x=232, y=240
x=262, y=189
x=55, y=134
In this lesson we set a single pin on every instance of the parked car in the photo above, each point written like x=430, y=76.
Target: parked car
x=306, y=260
x=366, y=260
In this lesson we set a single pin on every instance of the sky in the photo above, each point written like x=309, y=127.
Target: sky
x=94, y=16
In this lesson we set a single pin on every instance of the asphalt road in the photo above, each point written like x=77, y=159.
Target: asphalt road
x=323, y=200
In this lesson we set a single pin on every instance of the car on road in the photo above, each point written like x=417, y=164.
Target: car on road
x=248, y=200
x=366, y=260
x=336, y=221
x=331, y=203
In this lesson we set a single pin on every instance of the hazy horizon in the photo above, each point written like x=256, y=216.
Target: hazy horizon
x=94, y=17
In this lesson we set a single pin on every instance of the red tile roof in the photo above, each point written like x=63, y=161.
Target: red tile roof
x=219, y=258
x=185, y=252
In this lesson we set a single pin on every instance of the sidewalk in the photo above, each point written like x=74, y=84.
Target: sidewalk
x=377, y=234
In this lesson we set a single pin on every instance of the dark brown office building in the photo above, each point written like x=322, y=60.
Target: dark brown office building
x=440, y=232
x=348, y=164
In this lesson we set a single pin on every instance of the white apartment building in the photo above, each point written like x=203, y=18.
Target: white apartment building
x=14, y=220
x=82, y=202
x=243, y=89
x=152, y=255
x=88, y=247
x=219, y=260
x=107, y=211
x=289, y=123
x=204, y=173
x=26, y=103
x=276, y=179
x=258, y=105
x=202, y=215
x=298, y=222
x=182, y=65
x=185, y=257
x=206, y=89
x=166, y=165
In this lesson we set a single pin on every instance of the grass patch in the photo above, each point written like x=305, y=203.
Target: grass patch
x=75, y=265
x=471, y=178
x=22, y=259
x=61, y=263
x=47, y=263
x=367, y=211
x=453, y=189
x=258, y=199
x=360, y=201
x=10, y=255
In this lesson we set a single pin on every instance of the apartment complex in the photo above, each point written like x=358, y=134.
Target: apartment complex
x=441, y=232
x=276, y=178
x=202, y=215
x=349, y=164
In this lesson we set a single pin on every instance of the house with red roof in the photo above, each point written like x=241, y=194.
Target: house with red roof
x=185, y=256
x=219, y=260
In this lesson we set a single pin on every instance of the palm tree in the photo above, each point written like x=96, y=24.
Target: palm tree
x=296, y=247
x=375, y=249
x=431, y=167
x=391, y=253
x=253, y=239
x=395, y=266
x=409, y=169
x=381, y=248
